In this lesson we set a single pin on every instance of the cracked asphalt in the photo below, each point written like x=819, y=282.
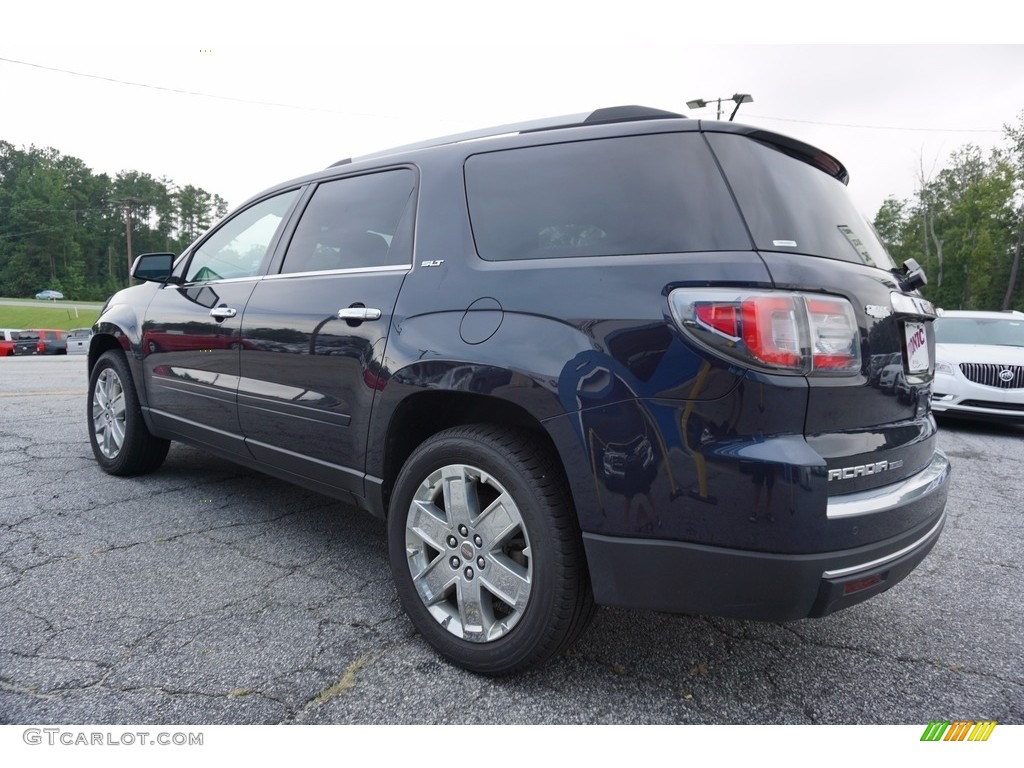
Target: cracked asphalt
x=209, y=594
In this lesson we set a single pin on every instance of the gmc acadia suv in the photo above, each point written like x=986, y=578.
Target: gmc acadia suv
x=626, y=358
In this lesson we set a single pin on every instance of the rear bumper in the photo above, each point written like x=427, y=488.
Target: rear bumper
x=682, y=577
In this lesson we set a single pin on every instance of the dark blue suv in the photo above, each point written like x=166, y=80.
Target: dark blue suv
x=626, y=358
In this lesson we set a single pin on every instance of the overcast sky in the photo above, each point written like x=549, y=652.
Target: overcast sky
x=236, y=102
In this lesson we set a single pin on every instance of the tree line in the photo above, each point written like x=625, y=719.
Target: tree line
x=965, y=226
x=67, y=228
x=64, y=227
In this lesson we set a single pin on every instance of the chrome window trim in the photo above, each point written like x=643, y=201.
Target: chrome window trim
x=219, y=281
x=348, y=271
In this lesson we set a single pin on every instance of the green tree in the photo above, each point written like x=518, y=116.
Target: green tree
x=962, y=226
x=1014, y=295
x=63, y=226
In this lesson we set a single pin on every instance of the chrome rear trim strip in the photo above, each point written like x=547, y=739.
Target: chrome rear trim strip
x=891, y=496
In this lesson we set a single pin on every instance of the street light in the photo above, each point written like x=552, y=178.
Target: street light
x=739, y=98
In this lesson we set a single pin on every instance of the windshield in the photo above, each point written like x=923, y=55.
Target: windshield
x=980, y=330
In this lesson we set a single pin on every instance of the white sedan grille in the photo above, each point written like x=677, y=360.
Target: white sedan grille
x=994, y=374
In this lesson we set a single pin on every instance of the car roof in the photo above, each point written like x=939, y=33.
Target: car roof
x=610, y=118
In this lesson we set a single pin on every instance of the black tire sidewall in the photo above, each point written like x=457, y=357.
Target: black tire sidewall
x=536, y=636
x=129, y=459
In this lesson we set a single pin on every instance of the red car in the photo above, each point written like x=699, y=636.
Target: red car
x=7, y=338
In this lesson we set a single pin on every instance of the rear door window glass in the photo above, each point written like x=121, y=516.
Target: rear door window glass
x=353, y=223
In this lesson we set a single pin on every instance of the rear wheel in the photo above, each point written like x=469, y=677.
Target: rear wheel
x=486, y=551
x=120, y=440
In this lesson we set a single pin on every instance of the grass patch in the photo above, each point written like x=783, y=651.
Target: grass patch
x=347, y=680
x=63, y=316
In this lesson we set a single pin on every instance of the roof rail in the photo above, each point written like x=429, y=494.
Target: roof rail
x=602, y=116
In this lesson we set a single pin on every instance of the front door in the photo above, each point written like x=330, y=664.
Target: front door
x=190, y=336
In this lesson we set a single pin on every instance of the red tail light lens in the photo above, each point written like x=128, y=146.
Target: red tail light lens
x=771, y=331
x=40, y=347
x=777, y=330
x=724, y=318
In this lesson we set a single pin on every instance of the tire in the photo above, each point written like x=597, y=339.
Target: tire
x=494, y=577
x=120, y=440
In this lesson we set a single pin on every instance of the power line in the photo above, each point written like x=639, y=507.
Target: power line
x=170, y=90
x=364, y=114
x=879, y=127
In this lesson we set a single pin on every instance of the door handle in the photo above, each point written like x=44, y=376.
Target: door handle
x=222, y=313
x=359, y=313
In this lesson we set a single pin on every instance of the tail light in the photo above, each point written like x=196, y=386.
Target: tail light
x=40, y=347
x=780, y=331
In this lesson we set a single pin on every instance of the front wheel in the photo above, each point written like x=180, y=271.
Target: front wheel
x=486, y=551
x=120, y=440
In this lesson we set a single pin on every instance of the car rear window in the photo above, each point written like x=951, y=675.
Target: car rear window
x=792, y=206
x=660, y=193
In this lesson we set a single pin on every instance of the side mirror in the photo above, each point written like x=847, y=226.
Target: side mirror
x=155, y=267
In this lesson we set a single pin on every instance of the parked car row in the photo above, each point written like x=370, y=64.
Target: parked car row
x=43, y=341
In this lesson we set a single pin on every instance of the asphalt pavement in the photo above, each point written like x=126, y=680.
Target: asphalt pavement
x=206, y=593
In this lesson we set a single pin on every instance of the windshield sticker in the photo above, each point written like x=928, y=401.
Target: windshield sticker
x=784, y=243
x=858, y=246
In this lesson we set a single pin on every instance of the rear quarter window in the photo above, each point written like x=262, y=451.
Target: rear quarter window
x=660, y=193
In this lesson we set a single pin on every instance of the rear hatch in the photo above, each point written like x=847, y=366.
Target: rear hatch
x=871, y=426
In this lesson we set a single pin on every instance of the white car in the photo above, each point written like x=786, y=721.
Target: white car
x=979, y=365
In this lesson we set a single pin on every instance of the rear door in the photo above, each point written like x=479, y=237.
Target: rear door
x=313, y=333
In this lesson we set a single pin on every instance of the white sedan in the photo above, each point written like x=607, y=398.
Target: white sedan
x=979, y=365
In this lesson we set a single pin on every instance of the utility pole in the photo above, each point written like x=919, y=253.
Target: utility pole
x=128, y=237
x=128, y=230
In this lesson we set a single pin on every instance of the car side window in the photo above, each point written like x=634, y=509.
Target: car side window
x=237, y=248
x=659, y=193
x=353, y=223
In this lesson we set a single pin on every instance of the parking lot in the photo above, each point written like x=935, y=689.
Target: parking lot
x=207, y=593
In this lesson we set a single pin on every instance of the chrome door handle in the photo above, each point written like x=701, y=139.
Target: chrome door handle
x=359, y=313
x=222, y=312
